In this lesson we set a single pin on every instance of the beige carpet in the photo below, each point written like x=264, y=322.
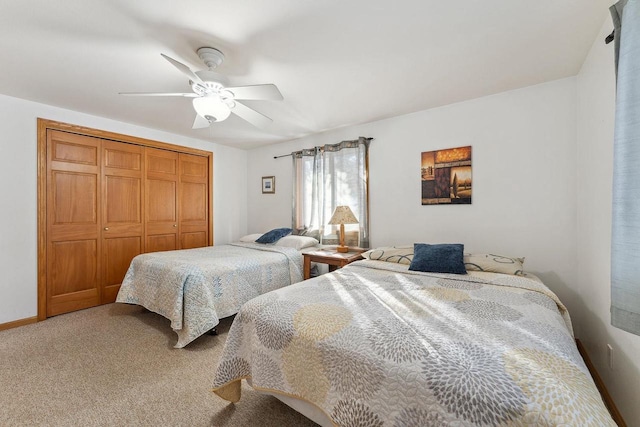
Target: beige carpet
x=116, y=365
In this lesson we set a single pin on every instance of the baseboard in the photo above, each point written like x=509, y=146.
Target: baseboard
x=606, y=397
x=16, y=323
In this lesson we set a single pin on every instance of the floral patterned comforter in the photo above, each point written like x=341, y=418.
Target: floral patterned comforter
x=374, y=344
x=194, y=288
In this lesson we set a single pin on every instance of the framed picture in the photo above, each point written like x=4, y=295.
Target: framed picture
x=446, y=176
x=268, y=184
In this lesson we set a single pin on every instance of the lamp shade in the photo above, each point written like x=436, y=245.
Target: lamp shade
x=343, y=215
x=211, y=108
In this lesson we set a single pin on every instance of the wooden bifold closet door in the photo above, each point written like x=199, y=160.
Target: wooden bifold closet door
x=73, y=222
x=193, y=201
x=162, y=200
x=108, y=201
x=122, y=209
x=177, y=201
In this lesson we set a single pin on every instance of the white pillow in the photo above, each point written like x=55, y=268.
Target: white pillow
x=494, y=264
x=297, y=242
x=397, y=254
x=250, y=238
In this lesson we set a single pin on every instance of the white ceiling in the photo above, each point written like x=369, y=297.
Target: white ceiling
x=337, y=62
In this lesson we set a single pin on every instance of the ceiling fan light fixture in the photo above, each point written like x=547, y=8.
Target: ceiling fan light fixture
x=211, y=108
x=213, y=99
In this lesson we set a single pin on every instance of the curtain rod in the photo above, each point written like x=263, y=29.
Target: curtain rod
x=610, y=37
x=287, y=155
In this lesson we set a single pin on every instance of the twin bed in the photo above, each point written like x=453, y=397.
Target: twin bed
x=375, y=343
x=195, y=288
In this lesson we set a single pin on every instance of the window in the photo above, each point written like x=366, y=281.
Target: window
x=330, y=176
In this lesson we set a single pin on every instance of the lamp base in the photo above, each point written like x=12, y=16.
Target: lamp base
x=342, y=249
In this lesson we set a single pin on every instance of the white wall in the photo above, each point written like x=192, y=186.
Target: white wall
x=542, y=167
x=524, y=178
x=18, y=185
x=542, y=176
x=595, y=118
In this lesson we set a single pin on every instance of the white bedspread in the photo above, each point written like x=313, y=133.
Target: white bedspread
x=194, y=288
x=374, y=344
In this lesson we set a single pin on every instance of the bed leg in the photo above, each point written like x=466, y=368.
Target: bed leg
x=213, y=331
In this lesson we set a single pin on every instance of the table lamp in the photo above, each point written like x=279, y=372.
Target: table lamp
x=342, y=215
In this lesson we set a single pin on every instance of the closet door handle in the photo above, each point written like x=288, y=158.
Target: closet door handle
x=106, y=229
x=175, y=225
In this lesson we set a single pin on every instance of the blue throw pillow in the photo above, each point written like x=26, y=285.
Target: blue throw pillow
x=273, y=235
x=443, y=258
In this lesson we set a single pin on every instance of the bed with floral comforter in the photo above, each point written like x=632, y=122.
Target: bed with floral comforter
x=374, y=344
x=194, y=288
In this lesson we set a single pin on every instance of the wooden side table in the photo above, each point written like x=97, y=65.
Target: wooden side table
x=331, y=257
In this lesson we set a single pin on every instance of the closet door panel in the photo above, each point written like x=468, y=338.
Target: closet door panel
x=75, y=275
x=161, y=242
x=193, y=207
x=197, y=239
x=118, y=253
x=73, y=210
x=161, y=163
x=125, y=192
x=161, y=204
x=70, y=149
x=161, y=196
x=194, y=201
x=122, y=218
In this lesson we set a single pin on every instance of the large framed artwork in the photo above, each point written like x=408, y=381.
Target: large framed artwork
x=446, y=176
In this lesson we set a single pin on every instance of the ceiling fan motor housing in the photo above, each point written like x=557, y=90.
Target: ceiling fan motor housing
x=211, y=57
x=214, y=81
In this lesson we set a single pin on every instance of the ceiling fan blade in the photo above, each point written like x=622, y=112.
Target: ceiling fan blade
x=259, y=120
x=186, y=95
x=186, y=70
x=260, y=92
x=200, y=122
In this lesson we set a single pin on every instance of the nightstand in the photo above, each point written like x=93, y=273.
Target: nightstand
x=331, y=257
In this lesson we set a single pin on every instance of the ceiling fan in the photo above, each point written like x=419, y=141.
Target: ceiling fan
x=213, y=99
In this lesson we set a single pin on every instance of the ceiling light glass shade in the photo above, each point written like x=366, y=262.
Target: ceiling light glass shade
x=211, y=108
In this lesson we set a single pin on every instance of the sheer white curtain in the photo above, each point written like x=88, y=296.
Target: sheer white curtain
x=625, y=238
x=326, y=177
